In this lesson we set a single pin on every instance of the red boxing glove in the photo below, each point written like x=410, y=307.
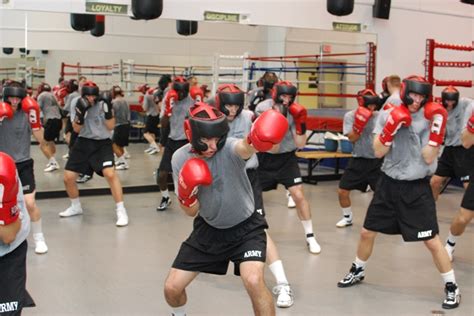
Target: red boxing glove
x=5, y=111
x=194, y=172
x=388, y=106
x=267, y=130
x=171, y=98
x=9, y=211
x=361, y=117
x=196, y=93
x=300, y=115
x=141, y=98
x=61, y=95
x=438, y=116
x=31, y=108
x=470, y=124
x=151, y=91
x=398, y=117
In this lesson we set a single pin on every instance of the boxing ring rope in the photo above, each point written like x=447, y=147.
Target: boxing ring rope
x=430, y=63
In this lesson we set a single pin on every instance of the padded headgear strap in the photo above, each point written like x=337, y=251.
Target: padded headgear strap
x=13, y=91
x=229, y=94
x=284, y=87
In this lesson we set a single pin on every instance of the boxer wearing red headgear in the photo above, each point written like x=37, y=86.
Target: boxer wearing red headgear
x=403, y=204
x=363, y=168
x=210, y=172
x=281, y=166
x=14, y=229
x=15, y=140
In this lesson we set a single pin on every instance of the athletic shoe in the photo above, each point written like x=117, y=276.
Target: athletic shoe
x=453, y=297
x=165, y=202
x=66, y=156
x=83, y=178
x=153, y=151
x=40, y=244
x=284, y=295
x=354, y=276
x=345, y=221
x=127, y=155
x=313, y=245
x=122, y=217
x=71, y=211
x=291, y=202
x=52, y=166
x=450, y=249
x=148, y=149
x=121, y=166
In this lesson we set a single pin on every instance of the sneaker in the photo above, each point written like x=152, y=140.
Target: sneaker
x=354, y=276
x=121, y=166
x=284, y=295
x=40, y=244
x=52, y=166
x=66, y=156
x=153, y=151
x=291, y=202
x=165, y=202
x=453, y=297
x=313, y=245
x=122, y=218
x=71, y=211
x=344, y=222
x=450, y=249
x=83, y=178
x=127, y=155
x=148, y=150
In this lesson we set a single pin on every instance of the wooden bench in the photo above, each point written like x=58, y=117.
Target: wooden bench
x=314, y=157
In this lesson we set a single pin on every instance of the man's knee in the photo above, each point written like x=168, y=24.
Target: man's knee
x=367, y=234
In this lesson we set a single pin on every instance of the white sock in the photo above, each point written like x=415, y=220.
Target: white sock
x=347, y=212
x=448, y=276
x=76, y=203
x=120, y=206
x=179, y=311
x=359, y=263
x=308, y=226
x=36, y=227
x=451, y=238
x=278, y=272
x=165, y=193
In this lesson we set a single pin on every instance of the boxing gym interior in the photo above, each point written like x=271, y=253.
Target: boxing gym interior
x=330, y=50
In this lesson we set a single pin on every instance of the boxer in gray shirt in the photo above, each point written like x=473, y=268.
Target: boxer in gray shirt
x=409, y=137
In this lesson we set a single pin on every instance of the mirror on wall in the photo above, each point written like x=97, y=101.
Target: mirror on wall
x=324, y=64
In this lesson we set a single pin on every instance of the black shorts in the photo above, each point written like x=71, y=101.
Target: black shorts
x=89, y=153
x=170, y=148
x=121, y=135
x=361, y=172
x=252, y=174
x=403, y=207
x=13, y=294
x=468, y=198
x=52, y=128
x=151, y=125
x=209, y=249
x=27, y=175
x=274, y=169
x=452, y=163
x=68, y=128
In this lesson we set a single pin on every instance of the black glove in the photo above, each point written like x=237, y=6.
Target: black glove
x=81, y=108
x=106, y=98
x=255, y=99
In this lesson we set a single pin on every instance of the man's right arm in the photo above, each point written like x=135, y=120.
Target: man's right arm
x=8, y=232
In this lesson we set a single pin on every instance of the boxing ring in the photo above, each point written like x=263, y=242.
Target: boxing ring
x=430, y=63
x=33, y=76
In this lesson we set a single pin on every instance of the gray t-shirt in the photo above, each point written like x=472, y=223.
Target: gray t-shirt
x=180, y=109
x=149, y=105
x=68, y=100
x=468, y=113
x=94, y=124
x=15, y=136
x=394, y=99
x=363, y=147
x=455, y=126
x=288, y=143
x=239, y=128
x=121, y=112
x=24, y=230
x=228, y=201
x=404, y=160
x=49, y=106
